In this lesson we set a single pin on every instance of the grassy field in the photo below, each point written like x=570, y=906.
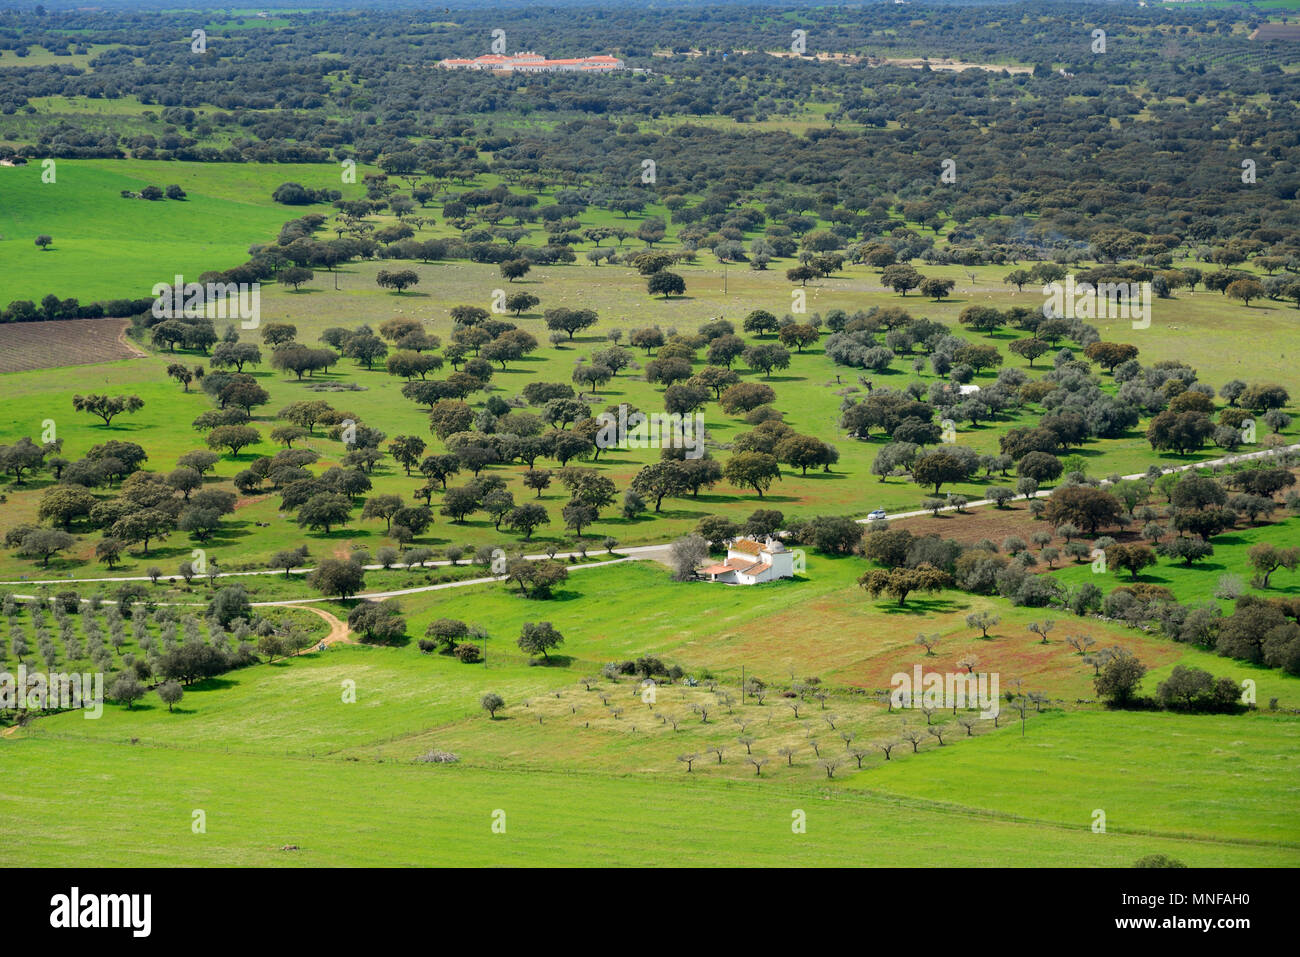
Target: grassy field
x=1197, y=583
x=107, y=247
x=1219, y=778
x=40, y=56
x=365, y=813
x=274, y=755
x=822, y=626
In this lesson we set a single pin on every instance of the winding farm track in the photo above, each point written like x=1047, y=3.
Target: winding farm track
x=656, y=552
x=338, y=629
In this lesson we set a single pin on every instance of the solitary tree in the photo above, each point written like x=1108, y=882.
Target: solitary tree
x=756, y=470
x=983, y=620
x=539, y=637
x=171, y=693
x=687, y=554
x=1266, y=558
x=398, y=280
x=1131, y=558
x=127, y=689
x=341, y=578
x=666, y=284
x=898, y=583
x=107, y=407
x=1119, y=677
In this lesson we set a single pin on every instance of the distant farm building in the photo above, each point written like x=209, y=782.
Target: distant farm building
x=535, y=63
x=749, y=563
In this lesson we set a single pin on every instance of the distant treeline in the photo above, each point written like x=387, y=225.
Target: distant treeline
x=52, y=307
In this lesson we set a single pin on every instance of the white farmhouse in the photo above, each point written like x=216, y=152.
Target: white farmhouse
x=749, y=563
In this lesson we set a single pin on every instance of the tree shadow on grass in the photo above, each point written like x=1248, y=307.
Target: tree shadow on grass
x=627, y=522
x=1228, y=540
x=707, y=497
x=557, y=595
x=138, y=707
x=554, y=661
x=212, y=684
x=921, y=606
x=227, y=534
x=1201, y=566
x=402, y=641
x=684, y=513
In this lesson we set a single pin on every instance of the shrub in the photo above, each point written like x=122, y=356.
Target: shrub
x=468, y=654
x=437, y=756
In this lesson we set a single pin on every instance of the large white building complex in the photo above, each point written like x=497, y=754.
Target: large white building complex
x=535, y=63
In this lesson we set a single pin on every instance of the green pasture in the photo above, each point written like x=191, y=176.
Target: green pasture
x=365, y=813
x=274, y=755
x=1197, y=582
x=107, y=247
x=1213, y=778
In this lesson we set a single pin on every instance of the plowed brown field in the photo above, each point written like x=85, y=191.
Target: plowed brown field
x=64, y=342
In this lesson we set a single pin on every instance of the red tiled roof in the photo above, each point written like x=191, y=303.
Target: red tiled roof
x=738, y=566
x=747, y=545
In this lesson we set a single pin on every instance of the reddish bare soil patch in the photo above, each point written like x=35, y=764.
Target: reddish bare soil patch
x=995, y=524
x=64, y=342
